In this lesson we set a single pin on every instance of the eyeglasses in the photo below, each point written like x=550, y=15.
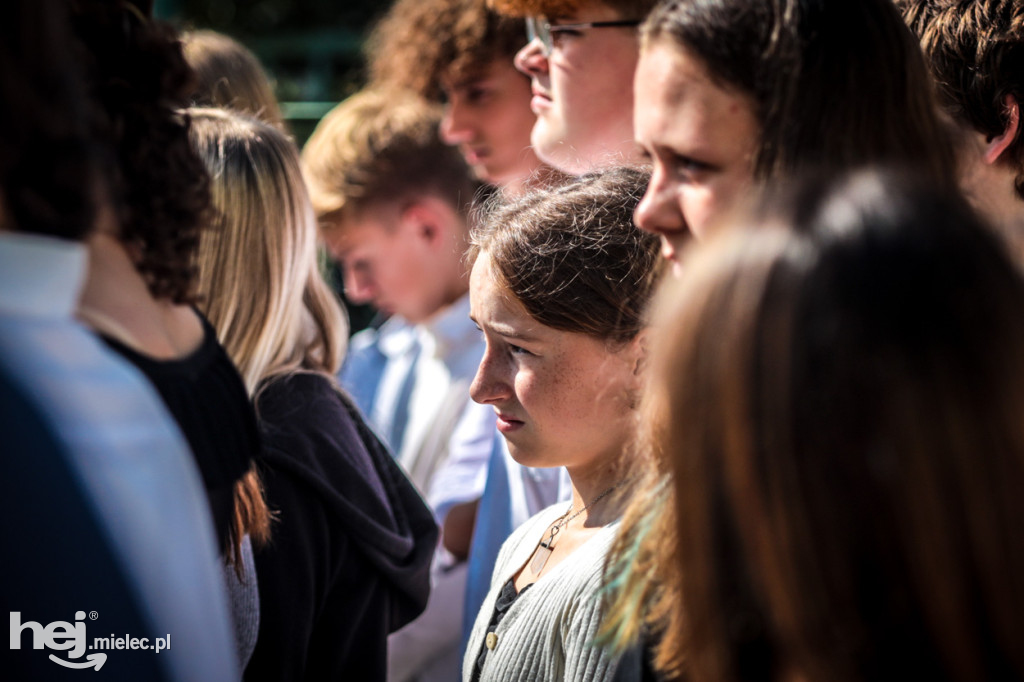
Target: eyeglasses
x=539, y=27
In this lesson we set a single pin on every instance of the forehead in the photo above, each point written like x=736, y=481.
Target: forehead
x=589, y=11
x=365, y=229
x=675, y=99
x=492, y=304
x=495, y=68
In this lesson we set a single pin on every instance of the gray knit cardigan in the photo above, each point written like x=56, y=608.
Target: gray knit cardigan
x=547, y=635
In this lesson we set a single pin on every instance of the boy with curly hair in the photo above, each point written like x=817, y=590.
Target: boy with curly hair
x=460, y=53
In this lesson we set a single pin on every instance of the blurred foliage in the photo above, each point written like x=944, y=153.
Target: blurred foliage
x=311, y=48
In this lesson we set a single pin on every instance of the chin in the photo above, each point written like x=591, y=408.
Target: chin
x=527, y=456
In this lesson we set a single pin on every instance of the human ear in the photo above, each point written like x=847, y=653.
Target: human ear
x=640, y=353
x=425, y=221
x=998, y=144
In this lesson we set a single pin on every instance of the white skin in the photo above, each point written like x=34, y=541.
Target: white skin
x=116, y=300
x=700, y=139
x=562, y=399
x=488, y=117
x=987, y=175
x=405, y=261
x=582, y=92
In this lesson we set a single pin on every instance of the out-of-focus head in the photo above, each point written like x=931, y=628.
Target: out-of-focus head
x=975, y=49
x=229, y=75
x=838, y=385
x=459, y=51
x=392, y=200
x=50, y=176
x=580, y=61
x=560, y=285
x=259, y=280
x=729, y=93
x=139, y=81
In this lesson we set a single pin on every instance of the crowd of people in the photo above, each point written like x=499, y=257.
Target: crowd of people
x=699, y=351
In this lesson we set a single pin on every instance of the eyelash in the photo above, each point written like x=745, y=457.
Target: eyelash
x=684, y=164
x=512, y=348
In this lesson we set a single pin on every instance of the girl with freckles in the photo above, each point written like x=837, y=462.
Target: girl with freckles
x=559, y=285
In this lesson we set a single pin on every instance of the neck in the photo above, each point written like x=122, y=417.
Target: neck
x=117, y=302
x=590, y=482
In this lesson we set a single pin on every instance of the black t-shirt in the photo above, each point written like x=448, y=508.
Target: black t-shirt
x=207, y=398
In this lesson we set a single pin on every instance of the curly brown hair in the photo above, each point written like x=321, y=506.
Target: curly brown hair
x=975, y=50
x=418, y=42
x=628, y=9
x=140, y=82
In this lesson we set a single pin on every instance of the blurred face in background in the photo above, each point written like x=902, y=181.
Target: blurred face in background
x=390, y=260
x=488, y=117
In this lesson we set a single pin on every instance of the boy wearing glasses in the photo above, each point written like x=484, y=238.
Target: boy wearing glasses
x=580, y=58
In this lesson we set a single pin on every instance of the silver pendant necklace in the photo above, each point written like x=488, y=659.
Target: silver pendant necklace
x=546, y=547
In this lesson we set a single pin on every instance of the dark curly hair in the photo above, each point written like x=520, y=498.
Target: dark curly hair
x=572, y=256
x=975, y=50
x=419, y=41
x=49, y=173
x=140, y=83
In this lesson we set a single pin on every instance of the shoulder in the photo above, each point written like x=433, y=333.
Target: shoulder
x=517, y=548
x=307, y=421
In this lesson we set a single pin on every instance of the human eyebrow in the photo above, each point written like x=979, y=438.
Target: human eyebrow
x=506, y=331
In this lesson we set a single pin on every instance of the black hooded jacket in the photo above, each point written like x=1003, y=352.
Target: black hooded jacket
x=349, y=559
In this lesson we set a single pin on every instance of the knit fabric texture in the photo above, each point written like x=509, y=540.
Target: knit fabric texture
x=548, y=633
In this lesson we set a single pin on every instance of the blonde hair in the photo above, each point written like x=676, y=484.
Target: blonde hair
x=229, y=75
x=380, y=147
x=259, y=274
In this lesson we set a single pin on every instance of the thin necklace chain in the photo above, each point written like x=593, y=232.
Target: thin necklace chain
x=565, y=520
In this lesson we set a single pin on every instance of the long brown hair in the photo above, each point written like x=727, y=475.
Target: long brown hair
x=839, y=397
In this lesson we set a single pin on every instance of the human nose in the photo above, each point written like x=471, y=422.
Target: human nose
x=454, y=125
x=358, y=286
x=490, y=385
x=659, y=211
x=531, y=59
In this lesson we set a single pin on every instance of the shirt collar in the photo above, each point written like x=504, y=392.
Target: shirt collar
x=395, y=337
x=450, y=329
x=40, y=276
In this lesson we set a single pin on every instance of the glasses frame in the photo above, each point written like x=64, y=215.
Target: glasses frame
x=540, y=28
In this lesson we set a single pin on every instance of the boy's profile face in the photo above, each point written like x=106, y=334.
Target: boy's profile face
x=488, y=117
x=387, y=263
x=582, y=91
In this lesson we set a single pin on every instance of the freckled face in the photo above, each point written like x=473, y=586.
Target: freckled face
x=561, y=397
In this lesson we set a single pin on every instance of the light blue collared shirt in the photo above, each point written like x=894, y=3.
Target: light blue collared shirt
x=131, y=458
